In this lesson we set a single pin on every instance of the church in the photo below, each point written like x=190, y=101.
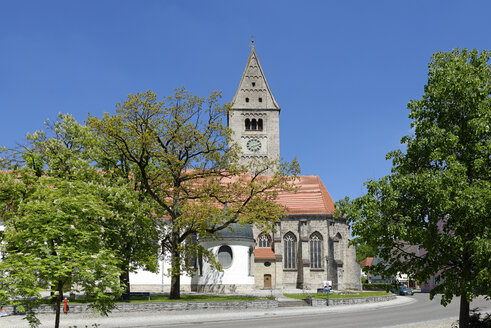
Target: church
x=309, y=245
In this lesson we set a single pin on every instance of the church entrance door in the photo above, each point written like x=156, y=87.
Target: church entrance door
x=267, y=281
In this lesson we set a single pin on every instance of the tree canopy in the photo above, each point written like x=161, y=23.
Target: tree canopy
x=180, y=152
x=438, y=195
x=65, y=221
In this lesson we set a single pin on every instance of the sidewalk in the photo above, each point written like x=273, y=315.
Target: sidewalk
x=136, y=319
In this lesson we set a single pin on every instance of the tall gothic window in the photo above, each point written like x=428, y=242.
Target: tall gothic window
x=264, y=240
x=289, y=247
x=315, y=250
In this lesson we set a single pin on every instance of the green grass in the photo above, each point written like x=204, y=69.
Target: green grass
x=332, y=296
x=194, y=298
x=184, y=298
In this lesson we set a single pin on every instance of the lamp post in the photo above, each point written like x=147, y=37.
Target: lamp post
x=327, y=268
x=327, y=279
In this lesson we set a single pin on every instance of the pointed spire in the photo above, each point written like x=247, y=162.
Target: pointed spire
x=253, y=91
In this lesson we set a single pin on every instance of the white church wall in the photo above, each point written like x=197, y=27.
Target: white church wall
x=159, y=282
x=237, y=277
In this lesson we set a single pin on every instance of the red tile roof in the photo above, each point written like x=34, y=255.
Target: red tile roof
x=311, y=198
x=264, y=253
x=367, y=262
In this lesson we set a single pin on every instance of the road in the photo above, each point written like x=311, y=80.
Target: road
x=406, y=311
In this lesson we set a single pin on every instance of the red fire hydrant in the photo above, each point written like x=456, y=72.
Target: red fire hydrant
x=65, y=306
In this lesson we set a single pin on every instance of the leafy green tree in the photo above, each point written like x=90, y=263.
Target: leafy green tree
x=364, y=250
x=63, y=221
x=438, y=196
x=52, y=241
x=180, y=153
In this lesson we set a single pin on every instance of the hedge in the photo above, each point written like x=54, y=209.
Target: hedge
x=377, y=286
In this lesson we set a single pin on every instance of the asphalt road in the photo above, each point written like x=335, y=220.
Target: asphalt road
x=406, y=311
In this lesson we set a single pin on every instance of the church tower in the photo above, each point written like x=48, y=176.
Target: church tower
x=255, y=117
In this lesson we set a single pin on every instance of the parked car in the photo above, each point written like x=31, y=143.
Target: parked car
x=403, y=290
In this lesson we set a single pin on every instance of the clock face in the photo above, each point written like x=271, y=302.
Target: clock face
x=254, y=145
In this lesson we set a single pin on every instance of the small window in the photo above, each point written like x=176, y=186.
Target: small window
x=225, y=256
x=264, y=241
x=253, y=84
x=247, y=99
x=260, y=99
x=260, y=124
x=247, y=124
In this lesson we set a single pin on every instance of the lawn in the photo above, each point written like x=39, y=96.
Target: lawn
x=195, y=298
x=332, y=296
x=184, y=298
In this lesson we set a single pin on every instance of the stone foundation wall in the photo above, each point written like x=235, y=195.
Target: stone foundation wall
x=163, y=306
x=185, y=306
x=350, y=301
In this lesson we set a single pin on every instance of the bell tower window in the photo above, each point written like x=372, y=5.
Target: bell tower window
x=254, y=124
x=260, y=124
x=247, y=124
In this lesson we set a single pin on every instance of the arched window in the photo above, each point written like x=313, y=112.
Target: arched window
x=225, y=256
x=290, y=248
x=264, y=241
x=253, y=124
x=247, y=124
x=260, y=124
x=316, y=250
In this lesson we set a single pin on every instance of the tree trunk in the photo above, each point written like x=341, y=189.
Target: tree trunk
x=59, y=297
x=175, y=287
x=464, y=311
x=175, y=284
x=124, y=282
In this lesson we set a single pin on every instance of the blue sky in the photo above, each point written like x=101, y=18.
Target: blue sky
x=342, y=71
